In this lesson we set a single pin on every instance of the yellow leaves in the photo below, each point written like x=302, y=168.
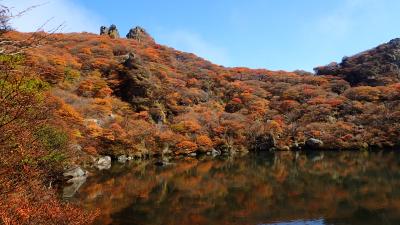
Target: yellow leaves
x=103, y=105
x=77, y=133
x=94, y=129
x=69, y=113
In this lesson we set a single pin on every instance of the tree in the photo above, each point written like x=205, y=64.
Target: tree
x=28, y=145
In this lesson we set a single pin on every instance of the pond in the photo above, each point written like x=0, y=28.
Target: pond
x=268, y=188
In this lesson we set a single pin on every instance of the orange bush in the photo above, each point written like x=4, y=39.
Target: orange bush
x=204, y=141
x=186, y=147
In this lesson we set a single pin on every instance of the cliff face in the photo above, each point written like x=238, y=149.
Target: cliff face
x=135, y=97
x=376, y=67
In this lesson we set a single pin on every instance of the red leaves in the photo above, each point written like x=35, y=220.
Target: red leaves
x=237, y=100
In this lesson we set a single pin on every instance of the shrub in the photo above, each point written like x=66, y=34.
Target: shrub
x=51, y=138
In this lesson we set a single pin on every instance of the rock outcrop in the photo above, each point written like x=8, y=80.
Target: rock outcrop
x=103, y=163
x=112, y=31
x=314, y=143
x=135, y=87
x=139, y=34
x=376, y=67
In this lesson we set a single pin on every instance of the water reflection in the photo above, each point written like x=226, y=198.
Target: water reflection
x=271, y=188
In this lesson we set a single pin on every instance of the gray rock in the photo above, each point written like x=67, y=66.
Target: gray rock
x=103, y=30
x=193, y=154
x=139, y=34
x=78, y=178
x=314, y=143
x=104, y=163
x=75, y=172
x=122, y=159
x=215, y=153
x=112, y=31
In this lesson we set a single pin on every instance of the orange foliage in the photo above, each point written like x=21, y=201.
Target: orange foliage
x=204, y=141
x=186, y=147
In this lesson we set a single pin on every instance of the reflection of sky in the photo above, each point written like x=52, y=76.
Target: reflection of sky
x=299, y=222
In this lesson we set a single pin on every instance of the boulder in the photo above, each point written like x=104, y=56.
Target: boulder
x=139, y=34
x=112, y=31
x=78, y=177
x=103, y=30
x=215, y=153
x=314, y=143
x=75, y=172
x=104, y=163
x=122, y=159
x=264, y=143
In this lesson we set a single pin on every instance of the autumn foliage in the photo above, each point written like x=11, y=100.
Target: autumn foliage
x=118, y=96
x=126, y=96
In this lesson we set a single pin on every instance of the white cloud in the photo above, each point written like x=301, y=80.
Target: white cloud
x=74, y=17
x=194, y=43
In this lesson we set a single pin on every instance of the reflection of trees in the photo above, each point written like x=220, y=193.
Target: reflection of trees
x=254, y=189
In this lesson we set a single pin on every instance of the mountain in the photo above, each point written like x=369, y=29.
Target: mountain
x=376, y=67
x=135, y=97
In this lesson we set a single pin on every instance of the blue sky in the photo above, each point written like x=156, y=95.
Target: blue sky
x=272, y=34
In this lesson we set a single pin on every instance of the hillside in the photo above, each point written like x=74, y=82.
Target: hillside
x=376, y=67
x=73, y=97
x=126, y=96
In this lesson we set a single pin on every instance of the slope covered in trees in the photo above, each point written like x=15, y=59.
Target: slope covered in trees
x=123, y=96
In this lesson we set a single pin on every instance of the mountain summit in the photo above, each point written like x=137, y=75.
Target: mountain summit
x=139, y=34
x=376, y=67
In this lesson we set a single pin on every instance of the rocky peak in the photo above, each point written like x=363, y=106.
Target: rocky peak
x=111, y=31
x=139, y=34
x=375, y=67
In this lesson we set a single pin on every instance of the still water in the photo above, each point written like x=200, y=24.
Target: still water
x=269, y=188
